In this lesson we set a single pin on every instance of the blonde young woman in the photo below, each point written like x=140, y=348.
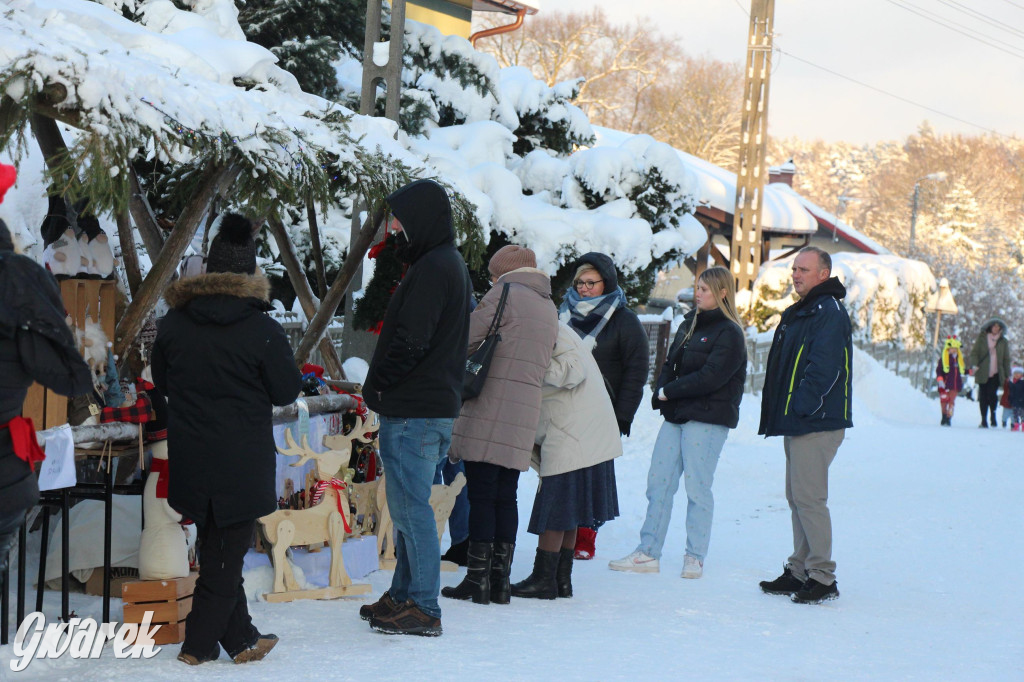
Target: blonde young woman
x=698, y=393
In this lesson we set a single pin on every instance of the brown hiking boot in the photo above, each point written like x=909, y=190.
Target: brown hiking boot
x=408, y=619
x=257, y=651
x=382, y=607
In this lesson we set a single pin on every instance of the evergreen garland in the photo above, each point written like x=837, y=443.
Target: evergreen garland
x=388, y=270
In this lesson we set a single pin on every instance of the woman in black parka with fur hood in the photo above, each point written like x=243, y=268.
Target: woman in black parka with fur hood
x=223, y=364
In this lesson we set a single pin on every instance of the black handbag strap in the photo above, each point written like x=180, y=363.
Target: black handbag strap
x=496, y=320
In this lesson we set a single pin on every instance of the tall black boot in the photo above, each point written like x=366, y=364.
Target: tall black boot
x=541, y=583
x=501, y=566
x=563, y=574
x=477, y=583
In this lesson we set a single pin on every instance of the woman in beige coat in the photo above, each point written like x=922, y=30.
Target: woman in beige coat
x=577, y=441
x=494, y=433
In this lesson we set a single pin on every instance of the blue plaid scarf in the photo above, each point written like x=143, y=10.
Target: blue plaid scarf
x=588, y=316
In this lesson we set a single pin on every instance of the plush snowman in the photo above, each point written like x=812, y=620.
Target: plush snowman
x=163, y=551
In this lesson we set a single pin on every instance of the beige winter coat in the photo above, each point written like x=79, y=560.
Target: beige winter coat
x=577, y=427
x=499, y=425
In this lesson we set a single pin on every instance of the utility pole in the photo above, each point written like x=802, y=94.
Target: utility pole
x=750, y=176
x=355, y=343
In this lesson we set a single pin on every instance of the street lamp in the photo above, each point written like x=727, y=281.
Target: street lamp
x=941, y=302
x=938, y=177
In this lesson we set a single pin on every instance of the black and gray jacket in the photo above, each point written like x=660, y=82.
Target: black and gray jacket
x=808, y=384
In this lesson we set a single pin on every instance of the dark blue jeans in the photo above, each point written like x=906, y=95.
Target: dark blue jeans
x=458, y=522
x=411, y=450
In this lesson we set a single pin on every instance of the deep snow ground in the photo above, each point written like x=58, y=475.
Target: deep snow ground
x=927, y=540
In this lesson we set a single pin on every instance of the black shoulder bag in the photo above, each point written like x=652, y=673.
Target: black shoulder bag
x=479, y=361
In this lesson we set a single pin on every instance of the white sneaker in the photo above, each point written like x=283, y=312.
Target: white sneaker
x=692, y=567
x=637, y=562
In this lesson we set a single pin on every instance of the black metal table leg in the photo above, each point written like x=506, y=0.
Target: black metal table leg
x=108, y=522
x=5, y=604
x=22, y=547
x=44, y=542
x=65, y=561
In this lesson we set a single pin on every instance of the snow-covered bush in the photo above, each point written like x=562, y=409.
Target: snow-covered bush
x=885, y=296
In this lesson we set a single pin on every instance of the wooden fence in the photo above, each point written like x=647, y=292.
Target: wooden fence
x=917, y=366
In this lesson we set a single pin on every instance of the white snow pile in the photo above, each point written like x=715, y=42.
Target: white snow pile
x=180, y=76
x=172, y=78
x=885, y=295
x=552, y=217
x=910, y=502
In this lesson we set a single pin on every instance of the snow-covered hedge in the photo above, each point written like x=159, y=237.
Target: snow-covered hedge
x=885, y=296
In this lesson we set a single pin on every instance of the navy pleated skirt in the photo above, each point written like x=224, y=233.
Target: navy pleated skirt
x=578, y=498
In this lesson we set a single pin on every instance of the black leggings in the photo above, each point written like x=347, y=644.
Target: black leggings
x=987, y=400
x=493, y=512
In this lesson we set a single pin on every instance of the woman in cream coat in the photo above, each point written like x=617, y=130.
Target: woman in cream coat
x=577, y=441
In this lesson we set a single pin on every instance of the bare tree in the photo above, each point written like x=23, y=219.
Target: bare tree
x=636, y=79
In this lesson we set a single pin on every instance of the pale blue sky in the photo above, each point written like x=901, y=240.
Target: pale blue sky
x=873, y=41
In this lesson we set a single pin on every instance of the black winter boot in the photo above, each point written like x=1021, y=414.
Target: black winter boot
x=501, y=566
x=541, y=583
x=477, y=583
x=563, y=574
x=457, y=553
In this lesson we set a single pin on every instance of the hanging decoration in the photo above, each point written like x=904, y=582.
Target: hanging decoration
x=387, y=273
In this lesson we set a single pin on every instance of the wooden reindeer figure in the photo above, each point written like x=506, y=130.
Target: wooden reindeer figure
x=363, y=497
x=327, y=520
x=442, y=500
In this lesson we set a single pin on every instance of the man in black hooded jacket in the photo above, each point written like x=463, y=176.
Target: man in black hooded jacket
x=808, y=389
x=415, y=384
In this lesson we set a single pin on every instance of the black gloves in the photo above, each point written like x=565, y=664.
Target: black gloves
x=624, y=427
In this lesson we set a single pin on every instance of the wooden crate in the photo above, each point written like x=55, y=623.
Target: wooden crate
x=169, y=600
x=83, y=299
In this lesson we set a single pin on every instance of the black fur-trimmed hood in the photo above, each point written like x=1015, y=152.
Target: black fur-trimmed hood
x=220, y=298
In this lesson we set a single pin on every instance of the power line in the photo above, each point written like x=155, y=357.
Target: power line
x=921, y=13
x=1011, y=2
x=981, y=16
x=895, y=96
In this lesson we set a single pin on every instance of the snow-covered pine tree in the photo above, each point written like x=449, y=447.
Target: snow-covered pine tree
x=307, y=36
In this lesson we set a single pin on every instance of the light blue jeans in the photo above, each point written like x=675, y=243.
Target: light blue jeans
x=410, y=450
x=690, y=450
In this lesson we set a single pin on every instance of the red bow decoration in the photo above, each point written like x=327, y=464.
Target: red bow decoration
x=160, y=468
x=377, y=248
x=337, y=485
x=23, y=438
x=8, y=176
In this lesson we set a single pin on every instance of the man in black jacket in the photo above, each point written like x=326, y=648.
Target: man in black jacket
x=808, y=389
x=223, y=364
x=415, y=384
x=35, y=345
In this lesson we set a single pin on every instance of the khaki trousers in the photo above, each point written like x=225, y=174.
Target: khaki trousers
x=808, y=458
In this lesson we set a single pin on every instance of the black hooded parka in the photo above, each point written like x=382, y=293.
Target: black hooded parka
x=419, y=362
x=223, y=363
